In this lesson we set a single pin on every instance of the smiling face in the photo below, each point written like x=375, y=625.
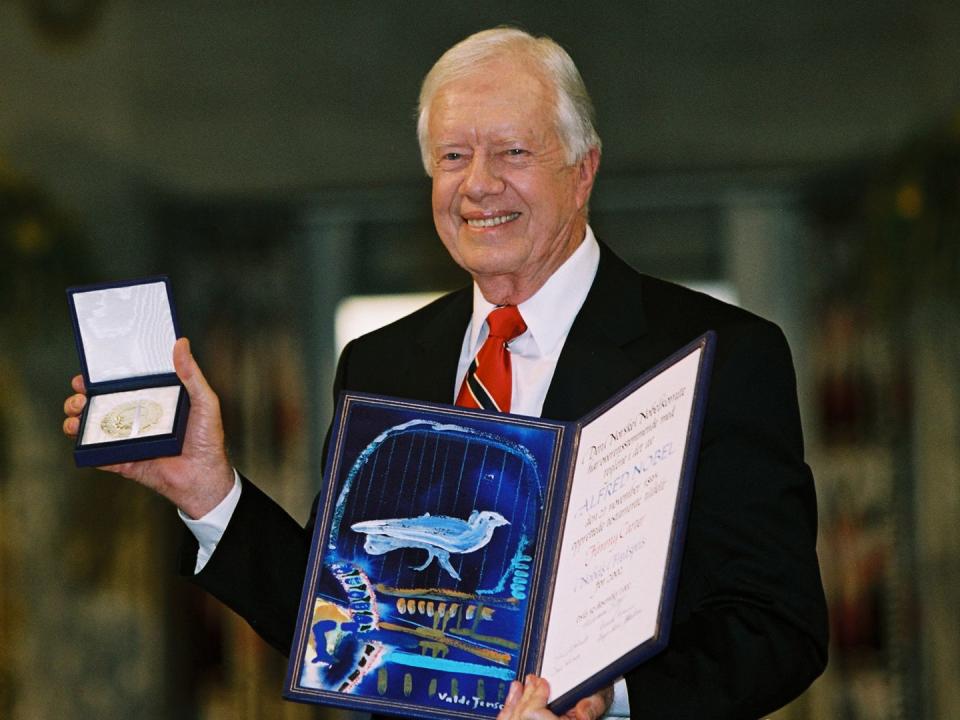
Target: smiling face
x=507, y=205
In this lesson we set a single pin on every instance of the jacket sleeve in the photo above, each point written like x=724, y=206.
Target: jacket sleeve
x=258, y=567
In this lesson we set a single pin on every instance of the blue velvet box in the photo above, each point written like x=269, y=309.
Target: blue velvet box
x=136, y=406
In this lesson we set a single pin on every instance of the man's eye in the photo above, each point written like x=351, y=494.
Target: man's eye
x=514, y=152
x=451, y=156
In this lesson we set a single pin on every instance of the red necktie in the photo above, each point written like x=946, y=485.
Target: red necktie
x=488, y=383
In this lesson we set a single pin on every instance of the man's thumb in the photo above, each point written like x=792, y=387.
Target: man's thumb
x=189, y=372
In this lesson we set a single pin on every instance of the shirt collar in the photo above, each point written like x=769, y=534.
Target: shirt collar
x=550, y=312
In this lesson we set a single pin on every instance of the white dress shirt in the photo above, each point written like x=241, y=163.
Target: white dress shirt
x=549, y=314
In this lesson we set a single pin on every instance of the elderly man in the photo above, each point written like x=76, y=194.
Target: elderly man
x=506, y=133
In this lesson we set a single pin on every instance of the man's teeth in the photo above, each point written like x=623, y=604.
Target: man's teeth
x=492, y=221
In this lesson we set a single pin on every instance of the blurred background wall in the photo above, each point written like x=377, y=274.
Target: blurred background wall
x=802, y=160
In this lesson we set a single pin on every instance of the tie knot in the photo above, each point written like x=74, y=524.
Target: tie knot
x=505, y=322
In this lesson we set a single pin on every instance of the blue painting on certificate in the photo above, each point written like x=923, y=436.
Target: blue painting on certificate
x=426, y=541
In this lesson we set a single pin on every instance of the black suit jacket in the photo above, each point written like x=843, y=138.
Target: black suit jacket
x=749, y=630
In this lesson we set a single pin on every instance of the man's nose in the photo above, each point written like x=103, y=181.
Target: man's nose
x=482, y=178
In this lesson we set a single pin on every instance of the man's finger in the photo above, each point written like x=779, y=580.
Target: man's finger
x=76, y=382
x=189, y=373
x=183, y=361
x=71, y=426
x=510, y=703
x=536, y=691
x=74, y=404
x=516, y=689
x=592, y=707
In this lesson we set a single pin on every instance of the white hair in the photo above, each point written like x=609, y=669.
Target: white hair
x=574, y=110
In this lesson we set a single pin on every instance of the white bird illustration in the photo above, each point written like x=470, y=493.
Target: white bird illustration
x=439, y=535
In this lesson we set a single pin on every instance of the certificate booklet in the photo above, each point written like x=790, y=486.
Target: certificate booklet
x=456, y=550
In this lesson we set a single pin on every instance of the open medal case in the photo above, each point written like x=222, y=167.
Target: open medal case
x=136, y=406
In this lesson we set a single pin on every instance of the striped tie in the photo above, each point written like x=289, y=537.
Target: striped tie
x=488, y=383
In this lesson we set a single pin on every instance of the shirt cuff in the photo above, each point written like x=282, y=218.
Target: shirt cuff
x=210, y=528
x=620, y=707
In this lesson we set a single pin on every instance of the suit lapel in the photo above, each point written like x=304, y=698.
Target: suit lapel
x=437, y=350
x=594, y=363
x=601, y=354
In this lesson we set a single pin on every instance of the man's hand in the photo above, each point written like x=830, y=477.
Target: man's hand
x=200, y=477
x=528, y=701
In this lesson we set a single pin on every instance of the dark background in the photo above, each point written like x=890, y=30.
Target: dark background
x=802, y=158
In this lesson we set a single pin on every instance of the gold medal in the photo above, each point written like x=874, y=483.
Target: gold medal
x=129, y=419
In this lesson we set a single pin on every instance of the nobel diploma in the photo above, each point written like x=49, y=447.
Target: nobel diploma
x=619, y=528
x=455, y=550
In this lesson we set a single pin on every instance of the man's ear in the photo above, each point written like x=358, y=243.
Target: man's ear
x=586, y=174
